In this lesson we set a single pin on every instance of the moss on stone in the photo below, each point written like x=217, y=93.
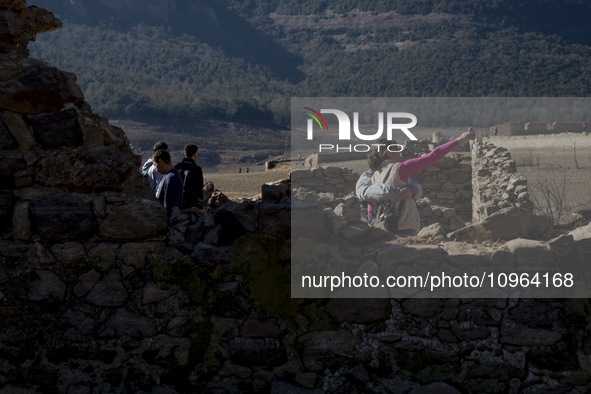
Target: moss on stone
x=161, y=272
x=254, y=253
x=195, y=287
x=272, y=290
x=319, y=320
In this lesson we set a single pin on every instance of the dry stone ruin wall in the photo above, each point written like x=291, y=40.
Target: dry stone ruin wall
x=100, y=294
x=496, y=184
x=536, y=128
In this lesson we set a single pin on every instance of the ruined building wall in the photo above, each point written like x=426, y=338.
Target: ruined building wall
x=99, y=293
x=496, y=184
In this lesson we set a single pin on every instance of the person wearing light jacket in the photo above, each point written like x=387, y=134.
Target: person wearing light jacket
x=366, y=192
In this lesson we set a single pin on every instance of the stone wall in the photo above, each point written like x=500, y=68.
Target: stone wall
x=331, y=180
x=99, y=293
x=533, y=128
x=510, y=128
x=446, y=190
x=496, y=184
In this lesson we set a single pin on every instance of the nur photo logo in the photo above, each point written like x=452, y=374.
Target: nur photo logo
x=392, y=121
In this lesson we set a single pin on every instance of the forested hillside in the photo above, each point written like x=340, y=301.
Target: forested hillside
x=232, y=59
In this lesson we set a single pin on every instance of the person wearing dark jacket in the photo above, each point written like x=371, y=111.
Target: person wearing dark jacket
x=170, y=187
x=192, y=177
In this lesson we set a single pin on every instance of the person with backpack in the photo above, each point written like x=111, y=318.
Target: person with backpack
x=192, y=178
x=402, y=216
x=367, y=193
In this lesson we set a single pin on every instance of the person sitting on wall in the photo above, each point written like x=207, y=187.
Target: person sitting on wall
x=389, y=168
x=148, y=169
x=170, y=188
x=192, y=177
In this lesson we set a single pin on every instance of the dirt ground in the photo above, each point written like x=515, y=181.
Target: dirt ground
x=557, y=187
x=245, y=185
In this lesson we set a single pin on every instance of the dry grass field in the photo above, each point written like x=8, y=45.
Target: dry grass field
x=245, y=185
x=557, y=184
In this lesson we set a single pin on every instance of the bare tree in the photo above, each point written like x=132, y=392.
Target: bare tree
x=552, y=202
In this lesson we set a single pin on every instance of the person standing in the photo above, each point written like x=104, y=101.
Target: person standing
x=192, y=177
x=170, y=187
x=148, y=169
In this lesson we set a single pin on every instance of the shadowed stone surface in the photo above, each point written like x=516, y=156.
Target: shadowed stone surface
x=62, y=216
x=123, y=322
x=359, y=310
x=78, y=326
x=86, y=282
x=57, y=129
x=47, y=287
x=246, y=351
x=10, y=162
x=530, y=336
x=435, y=388
x=83, y=169
x=109, y=291
x=319, y=345
x=40, y=90
x=286, y=388
x=260, y=329
x=134, y=221
x=20, y=131
x=133, y=254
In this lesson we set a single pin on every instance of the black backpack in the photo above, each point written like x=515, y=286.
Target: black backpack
x=186, y=175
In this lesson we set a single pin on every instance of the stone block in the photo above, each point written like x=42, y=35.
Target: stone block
x=123, y=322
x=21, y=222
x=260, y=329
x=463, y=255
x=274, y=192
x=345, y=212
x=109, y=291
x=247, y=351
x=86, y=283
x=62, y=217
x=19, y=130
x=133, y=254
x=525, y=336
x=435, y=388
x=39, y=90
x=77, y=326
x=359, y=310
x=46, y=287
x=11, y=161
x=433, y=230
x=332, y=171
x=532, y=256
x=57, y=129
x=320, y=345
x=246, y=213
x=275, y=219
x=153, y=293
x=69, y=253
x=134, y=221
